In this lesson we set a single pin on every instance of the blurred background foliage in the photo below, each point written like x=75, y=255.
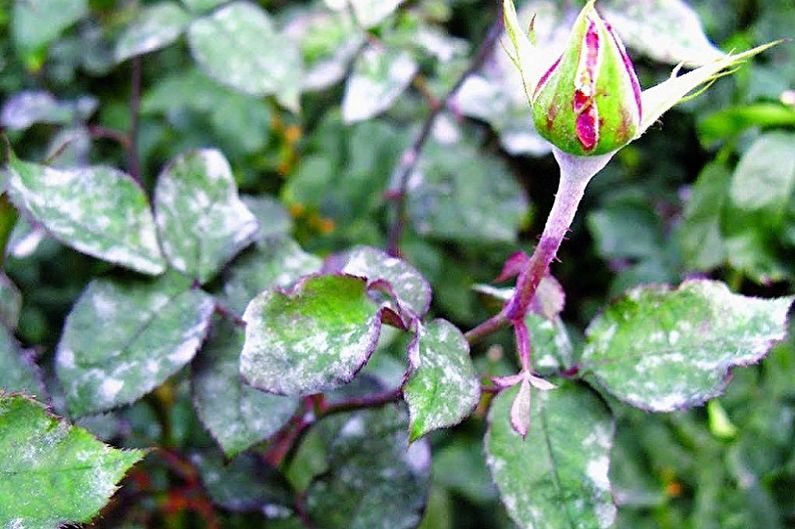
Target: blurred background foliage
x=709, y=192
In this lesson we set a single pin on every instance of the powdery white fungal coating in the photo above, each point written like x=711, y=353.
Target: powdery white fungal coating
x=200, y=217
x=444, y=388
x=663, y=349
x=236, y=415
x=556, y=478
x=115, y=350
x=379, y=76
x=156, y=27
x=238, y=46
x=73, y=475
x=99, y=211
x=314, y=338
x=411, y=288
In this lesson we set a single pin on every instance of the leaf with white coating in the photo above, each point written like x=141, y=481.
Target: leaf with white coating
x=10, y=302
x=18, y=372
x=311, y=339
x=156, y=27
x=443, y=388
x=368, y=13
x=375, y=479
x=238, y=46
x=557, y=477
x=276, y=262
x=661, y=349
x=665, y=30
x=201, y=219
x=52, y=473
x=411, y=288
x=99, y=211
x=236, y=415
x=122, y=340
x=379, y=76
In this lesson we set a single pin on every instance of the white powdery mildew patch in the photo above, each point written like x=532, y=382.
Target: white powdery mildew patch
x=96, y=210
x=379, y=77
x=202, y=221
x=109, y=389
x=276, y=359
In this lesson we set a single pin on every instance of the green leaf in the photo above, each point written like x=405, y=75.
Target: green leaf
x=155, y=27
x=240, y=122
x=122, y=340
x=30, y=107
x=765, y=177
x=99, y=211
x=238, y=46
x=760, y=195
x=411, y=288
x=10, y=302
x=661, y=349
x=271, y=263
x=201, y=219
x=558, y=476
x=374, y=478
x=729, y=122
x=443, y=387
x=18, y=372
x=368, y=13
x=462, y=195
x=198, y=6
x=236, y=415
x=703, y=247
x=314, y=338
x=272, y=217
x=53, y=473
x=245, y=484
x=379, y=76
x=665, y=30
x=36, y=23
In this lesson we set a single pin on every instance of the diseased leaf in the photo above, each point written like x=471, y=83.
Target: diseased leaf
x=52, y=473
x=558, y=476
x=374, y=478
x=411, y=288
x=238, y=46
x=765, y=177
x=368, y=13
x=462, y=195
x=236, y=415
x=329, y=41
x=245, y=484
x=665, y=30
x=271, y=263
x=122, y=340
x=272, y=217
x=443, y=387
x=313, y=338
x=10, y=302
x=36, y=23
x=201, y=219
x=379, y=76
x=202, y=5
x=156, y=26
x=661, y=349
x=29, y=107
x=96, y=210
x=18, y=372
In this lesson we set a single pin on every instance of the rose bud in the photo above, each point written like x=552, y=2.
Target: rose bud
x=589, y=101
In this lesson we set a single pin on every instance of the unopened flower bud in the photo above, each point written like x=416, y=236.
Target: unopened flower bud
x=589, y=101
